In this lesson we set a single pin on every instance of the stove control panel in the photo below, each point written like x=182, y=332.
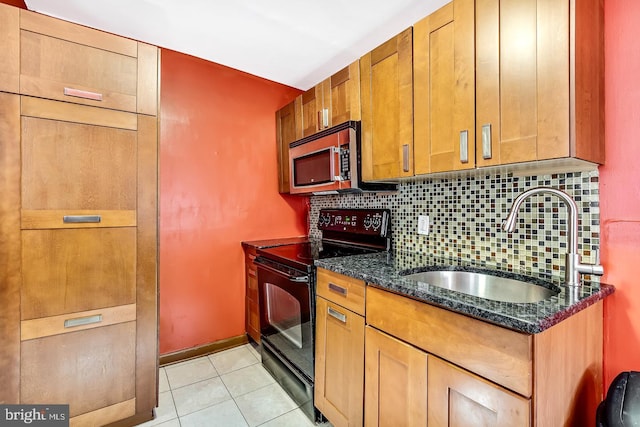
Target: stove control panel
x=358, y=221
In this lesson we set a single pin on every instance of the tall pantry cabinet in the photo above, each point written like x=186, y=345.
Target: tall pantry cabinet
x=78, y=219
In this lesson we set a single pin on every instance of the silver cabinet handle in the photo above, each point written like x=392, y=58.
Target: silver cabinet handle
x=405, y=157
x=325, y=118
x=336, y=315
x=74, y=219
x=338, y=289
x=464, y=146
x=82, y=94
x=486, y=141
x=81, y=321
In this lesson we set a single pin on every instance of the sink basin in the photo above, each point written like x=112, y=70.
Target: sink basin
x=485, y=285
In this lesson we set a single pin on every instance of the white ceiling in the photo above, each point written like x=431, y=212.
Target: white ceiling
x=294, y=42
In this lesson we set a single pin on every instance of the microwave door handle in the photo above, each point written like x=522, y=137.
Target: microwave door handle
x=335, y=157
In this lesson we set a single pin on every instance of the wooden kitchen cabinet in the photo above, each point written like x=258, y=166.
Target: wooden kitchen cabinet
x=287, y=131
x=339, y=361
x=395, y=382
x=483, y=374
x=386, y=93
x=9, y=48
x=252, y=311
x=68, y=62
x=331, y=102
x=459, y=398
x=79, y=226
x=444, y=89
x=539, y=81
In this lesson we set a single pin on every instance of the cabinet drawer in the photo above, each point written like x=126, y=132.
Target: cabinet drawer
x=88, y=369
x=68, y=70
x=67, y=271
x=343, y=290
x=77, y=166
x=498, y=354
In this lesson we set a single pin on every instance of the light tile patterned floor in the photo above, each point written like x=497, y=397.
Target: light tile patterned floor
x=226, y=389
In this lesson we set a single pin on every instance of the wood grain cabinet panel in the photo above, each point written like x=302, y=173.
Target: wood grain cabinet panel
x=460, y=399
x=287, y=130
x=88, y=369
x=66, y=271
x=386, y=94
x=93, y=159
x=339, y=362
x=539, y=81
x=252, y=309
x=77, y=166
x=395, y=382
x=9, y=49
x=444, y=89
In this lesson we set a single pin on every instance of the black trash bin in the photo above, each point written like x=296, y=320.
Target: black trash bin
x=621, y=406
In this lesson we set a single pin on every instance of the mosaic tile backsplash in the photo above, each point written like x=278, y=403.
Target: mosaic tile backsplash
x=466, y=212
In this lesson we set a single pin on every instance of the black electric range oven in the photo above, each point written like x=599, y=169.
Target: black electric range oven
x=286, y=284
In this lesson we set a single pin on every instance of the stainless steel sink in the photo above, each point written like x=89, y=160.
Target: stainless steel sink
x=485, y=286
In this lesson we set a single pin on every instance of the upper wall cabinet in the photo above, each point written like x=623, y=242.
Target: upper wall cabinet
x=9, y=48
x=538, y=92
x=539, y=81
x=443, y=63
x=334, y=101
x=386, y=91
x=68, y=62
x=286, y=133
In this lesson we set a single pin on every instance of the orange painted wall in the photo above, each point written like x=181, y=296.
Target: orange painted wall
x=620, y=187
x=218, y=187
x=17, y=3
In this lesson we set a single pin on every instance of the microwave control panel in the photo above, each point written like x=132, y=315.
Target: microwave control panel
x=345, y=167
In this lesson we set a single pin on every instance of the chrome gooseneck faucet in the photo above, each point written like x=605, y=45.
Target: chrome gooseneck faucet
x=573, y=267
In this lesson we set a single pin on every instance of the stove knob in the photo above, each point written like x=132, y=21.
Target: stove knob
x=367, y=222
x=377, y=222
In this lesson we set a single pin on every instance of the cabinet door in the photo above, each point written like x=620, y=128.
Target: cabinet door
x=345, y=95
x=9, y=48
x=387, y=109
x=286, y=133
x=395, y=382
x=252, y=309
x=460, y=399
x=522, y=80
x=339, y=364
x=444, y=90
x=315, y=105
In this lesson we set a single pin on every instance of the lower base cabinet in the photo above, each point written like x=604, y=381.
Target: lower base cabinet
x=458, y=398
x=395, y=382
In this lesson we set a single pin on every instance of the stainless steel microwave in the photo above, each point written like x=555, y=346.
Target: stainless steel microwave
x=328, y=162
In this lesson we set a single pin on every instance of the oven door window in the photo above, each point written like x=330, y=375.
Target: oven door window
x=283, y=313
x=315, y=168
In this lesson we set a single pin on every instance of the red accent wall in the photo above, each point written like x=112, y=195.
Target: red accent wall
x=218, y=187
x=17, y=3
x=620, y=187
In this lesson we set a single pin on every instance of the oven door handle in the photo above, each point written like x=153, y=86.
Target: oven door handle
x=297, y=279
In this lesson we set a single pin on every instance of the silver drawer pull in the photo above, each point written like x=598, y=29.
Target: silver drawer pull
x=81, y=321
x=82, y=94
x=336, y=315
x=486, y=141
x=74, y=219
x=338, y=289
x=405, y=157
x=464, y=146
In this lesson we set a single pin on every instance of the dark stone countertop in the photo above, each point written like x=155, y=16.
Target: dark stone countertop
x=268, y=243
x=386, y=270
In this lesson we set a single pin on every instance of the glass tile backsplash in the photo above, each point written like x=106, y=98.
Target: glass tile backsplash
x=465, y=214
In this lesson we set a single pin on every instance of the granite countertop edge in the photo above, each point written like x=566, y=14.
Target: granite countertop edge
x=382, y=271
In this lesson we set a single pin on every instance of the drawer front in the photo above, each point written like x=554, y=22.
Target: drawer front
x=342, y=290
x=59, y=69
x=66, y=271
x=498, y=354
x=94, y=368
x=77, y=166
